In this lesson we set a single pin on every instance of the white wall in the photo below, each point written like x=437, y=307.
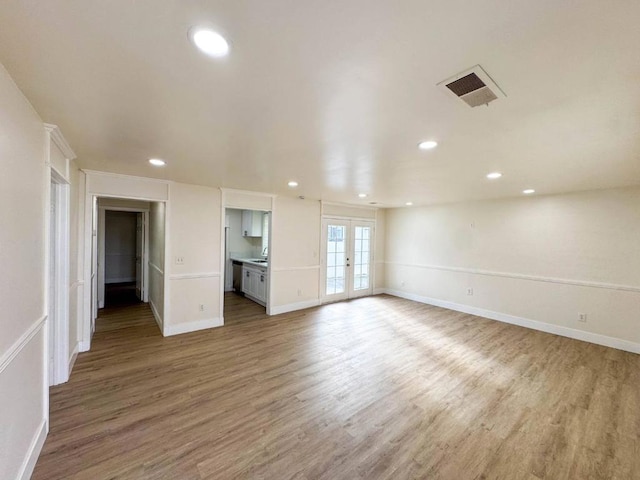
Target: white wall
x=294, y=254
x=23, y=383
x=538, y=261
x=156, y=260
x=194, y=233
x=120, y=246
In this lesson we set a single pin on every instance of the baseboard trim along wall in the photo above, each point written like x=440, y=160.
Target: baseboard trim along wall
x=157, y=316
x=83, y=346
x=292, y=307
x=193, y=326
x=26, y=470
x=523, y=322
x=73, y=357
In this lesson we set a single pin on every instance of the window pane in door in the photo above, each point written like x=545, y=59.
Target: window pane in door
x=336, y=259
x=361, y=258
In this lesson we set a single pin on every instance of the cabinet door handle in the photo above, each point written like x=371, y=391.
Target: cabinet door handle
x=247, y=274
x=262, y=278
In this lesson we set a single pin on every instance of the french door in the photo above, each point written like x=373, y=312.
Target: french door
x=347, y=253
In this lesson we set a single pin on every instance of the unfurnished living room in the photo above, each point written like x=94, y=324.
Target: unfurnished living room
x=319, y=240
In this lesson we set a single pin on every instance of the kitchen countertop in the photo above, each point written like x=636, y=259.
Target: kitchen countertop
x=252, y=262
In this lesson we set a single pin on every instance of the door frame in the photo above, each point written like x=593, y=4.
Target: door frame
x=349, y=292
x=57, y=292
x=101, y=250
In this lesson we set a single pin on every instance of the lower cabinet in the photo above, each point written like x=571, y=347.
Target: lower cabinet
x=254, y=284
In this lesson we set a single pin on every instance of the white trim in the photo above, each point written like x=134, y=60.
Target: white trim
x=156, y=268
x=73, y=357
x=84, y=346
x=296, y=269
x=188, y=276
x=58, y=237
x=157, y=316
x=292, y=307
x=29, y=463
x=192, y=326
x=596, y=338
x=60, y=141
x=519, y=276
x=13, y=351
x=379, y=291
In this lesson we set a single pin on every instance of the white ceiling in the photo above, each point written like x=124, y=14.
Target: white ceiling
x=336, y=94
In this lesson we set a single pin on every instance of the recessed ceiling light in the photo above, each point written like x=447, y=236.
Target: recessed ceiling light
x=408, y=204
x=427, y=145
x=156, y=162
x=293, y=184
x=528, y=191
x=494, y=175
x=362, y=195
x=209, y=42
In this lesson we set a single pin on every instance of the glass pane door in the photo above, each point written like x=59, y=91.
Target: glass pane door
x=336, y=259
x=361, y=257
x=347, y=255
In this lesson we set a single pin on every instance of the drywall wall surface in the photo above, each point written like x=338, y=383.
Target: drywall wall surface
x=120, y=246
x=545, y=259
x=294, y=252
x=247, y=200
x=107, y=184
x=379, y=251
x=23, y=387
x=156, y=259
x=351, y=211
x=194, y=262
x=107, y=202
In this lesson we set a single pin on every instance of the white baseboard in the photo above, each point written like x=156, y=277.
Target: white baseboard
x=29, y=463
x=596, y=338
x=83, y=346
x=157, y=316
x=292, y=307
x=193, y=326
x=379, y=291
x=73, y=358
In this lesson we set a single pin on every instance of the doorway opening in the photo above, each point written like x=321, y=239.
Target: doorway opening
x=347, y=253
x=247, y=271
x=123, y=244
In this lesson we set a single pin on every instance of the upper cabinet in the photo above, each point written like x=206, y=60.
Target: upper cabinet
x=251, y=223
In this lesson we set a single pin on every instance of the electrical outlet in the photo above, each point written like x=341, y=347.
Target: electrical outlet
x=582, y=317
x=202, y=307
x=469, y=291
x=180, y=260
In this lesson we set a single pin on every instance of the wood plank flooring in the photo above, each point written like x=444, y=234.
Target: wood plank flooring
x=374, y=388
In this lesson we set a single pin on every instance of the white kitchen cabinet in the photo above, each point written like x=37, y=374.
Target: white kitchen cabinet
x=252, y=223
x=254, y=284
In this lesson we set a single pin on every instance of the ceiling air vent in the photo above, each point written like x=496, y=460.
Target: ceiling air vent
x=474, y=86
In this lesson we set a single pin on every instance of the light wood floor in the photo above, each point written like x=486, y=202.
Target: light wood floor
x=375, y=388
